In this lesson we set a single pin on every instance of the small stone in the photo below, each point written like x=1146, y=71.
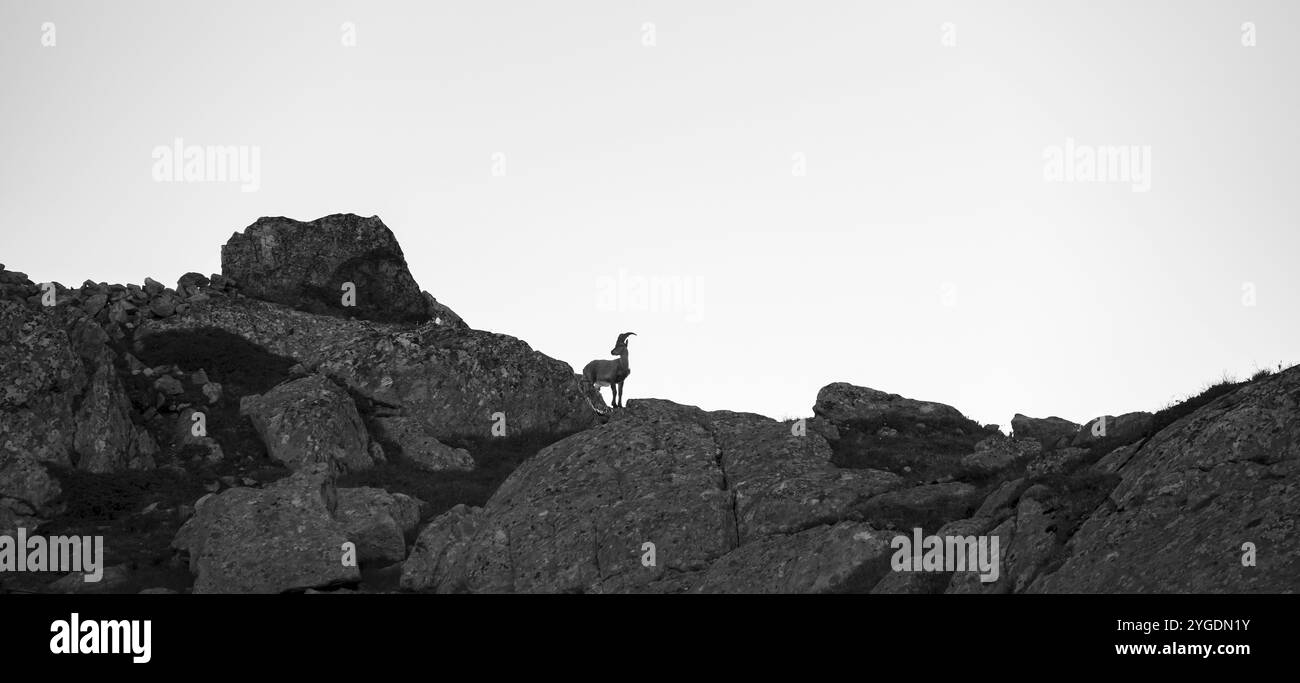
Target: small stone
x=168, y=385
x=212, y=391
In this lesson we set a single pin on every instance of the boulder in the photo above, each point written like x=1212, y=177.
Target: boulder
x=841, y=402
x=1049, y=431
x=309, y=421
x=308, y=265
x=415, y=441
x=284, y=537
x=378, y=522
x=1122, y=429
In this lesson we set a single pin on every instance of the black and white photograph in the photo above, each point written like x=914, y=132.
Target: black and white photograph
x=940, y=315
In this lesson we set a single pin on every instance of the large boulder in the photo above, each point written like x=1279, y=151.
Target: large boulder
x=312, y=265
x=284, y=537
x=841, y=402
x=689, y=486
x=1192, y=497
x=309, y=421
x=1049, y=431
x=1121, y=429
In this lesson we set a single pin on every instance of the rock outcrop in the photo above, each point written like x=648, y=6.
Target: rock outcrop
x=452, y=380
x=1189, y=500
x=313, y=265
x=709, y=490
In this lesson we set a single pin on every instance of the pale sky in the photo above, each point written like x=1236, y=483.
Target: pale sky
x=834, y=193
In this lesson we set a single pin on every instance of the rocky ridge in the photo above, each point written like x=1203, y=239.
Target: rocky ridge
x=245, y=432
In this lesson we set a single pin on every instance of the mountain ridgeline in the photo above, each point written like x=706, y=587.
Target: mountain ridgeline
x=310, y=420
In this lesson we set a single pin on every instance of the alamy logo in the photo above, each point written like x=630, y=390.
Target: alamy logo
x=25, y=553
x=946, y=554
x=105, y=637
x=213, y=163
x=1074, y=163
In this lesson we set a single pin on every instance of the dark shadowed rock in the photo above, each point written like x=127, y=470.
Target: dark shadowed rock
x=280, y=538
x=307, y=264
x=308, y=421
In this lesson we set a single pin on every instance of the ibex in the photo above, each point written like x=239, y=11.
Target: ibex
x=611, y=373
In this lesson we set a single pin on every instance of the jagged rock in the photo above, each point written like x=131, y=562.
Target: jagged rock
x=454, y=379
x=153, y=287
x=106, y=440
x=418, y=445
x=307, y=264
x=1049, y=431
x=378, y=522
x=62, y=401
x=42, y=375
x=696, y=484
x=308, y=421
x=1192, y=496
x=270, y=540
x=1123, y=429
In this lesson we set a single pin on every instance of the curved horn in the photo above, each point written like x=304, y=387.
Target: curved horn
x=623, y=337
